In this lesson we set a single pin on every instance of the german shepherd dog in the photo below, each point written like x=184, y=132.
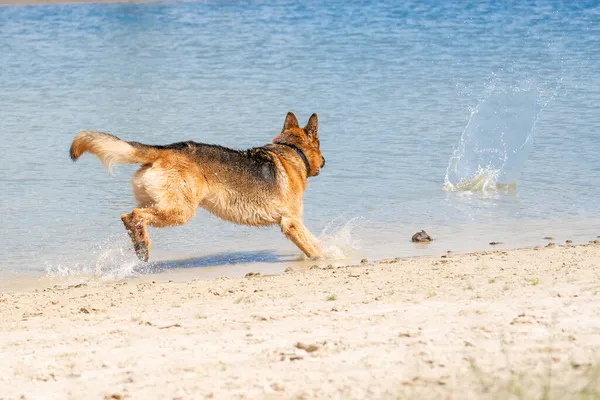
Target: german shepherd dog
x=261, y=186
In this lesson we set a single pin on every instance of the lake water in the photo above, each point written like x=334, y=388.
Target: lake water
x=476, y=122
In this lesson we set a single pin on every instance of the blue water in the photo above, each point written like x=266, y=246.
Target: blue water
x=396, y=87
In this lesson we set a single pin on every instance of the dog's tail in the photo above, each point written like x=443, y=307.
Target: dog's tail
x=111, y=150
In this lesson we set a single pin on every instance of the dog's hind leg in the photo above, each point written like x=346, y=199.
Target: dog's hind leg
x=136, y=227
x=137, y=221
x=167, y=195
x=295, y=230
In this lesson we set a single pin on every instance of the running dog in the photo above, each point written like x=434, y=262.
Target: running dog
x=261, y=186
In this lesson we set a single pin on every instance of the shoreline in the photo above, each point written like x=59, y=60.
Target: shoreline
x=25, y=281
x=275, y=257
x=481, y=324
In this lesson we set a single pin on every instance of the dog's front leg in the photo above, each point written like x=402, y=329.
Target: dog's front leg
x=295, y=230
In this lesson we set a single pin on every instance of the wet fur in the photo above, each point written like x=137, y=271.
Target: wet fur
x=261, y=186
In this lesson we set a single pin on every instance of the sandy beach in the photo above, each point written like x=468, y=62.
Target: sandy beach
x=493, y=324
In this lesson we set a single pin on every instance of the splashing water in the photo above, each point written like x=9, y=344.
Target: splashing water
x=336, y=239
x=113, y=258
x=116, y=263
x=496, y=141
x=110, y=259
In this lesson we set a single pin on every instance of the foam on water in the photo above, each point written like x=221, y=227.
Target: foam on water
x=496, y=140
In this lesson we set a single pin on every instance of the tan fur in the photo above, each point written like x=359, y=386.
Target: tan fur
x=175, y=180
x=109, y=149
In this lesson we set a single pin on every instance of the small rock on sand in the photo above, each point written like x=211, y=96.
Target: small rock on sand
x=309, y=348
x=277, y=387
x=114, y=396
x=421, y=237
x=551, y=244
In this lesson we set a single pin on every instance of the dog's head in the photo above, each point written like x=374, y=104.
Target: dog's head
x=306, y=139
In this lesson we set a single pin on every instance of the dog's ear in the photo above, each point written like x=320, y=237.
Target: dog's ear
x=290, y=121
x=312, y=127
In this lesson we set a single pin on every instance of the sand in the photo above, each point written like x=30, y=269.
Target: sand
x=523, y=323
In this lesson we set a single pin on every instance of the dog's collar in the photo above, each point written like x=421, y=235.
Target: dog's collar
x=301, y=154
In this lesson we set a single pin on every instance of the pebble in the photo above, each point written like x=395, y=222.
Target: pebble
x=309, y=348
x=421, y=237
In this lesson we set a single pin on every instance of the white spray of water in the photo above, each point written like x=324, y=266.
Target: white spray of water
x=496, y=141
x=113, y=258
x=337, y=241
x=109, y=259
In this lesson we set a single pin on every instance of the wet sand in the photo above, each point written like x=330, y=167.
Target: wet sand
x=489, y=324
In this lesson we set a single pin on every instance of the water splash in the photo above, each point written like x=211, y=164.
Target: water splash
x=113, y=258
x=337, y=239
x=496, y=140
x=110, y=259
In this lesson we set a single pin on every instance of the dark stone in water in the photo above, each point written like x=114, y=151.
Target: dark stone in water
x=495, y=243
x=421, y=237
